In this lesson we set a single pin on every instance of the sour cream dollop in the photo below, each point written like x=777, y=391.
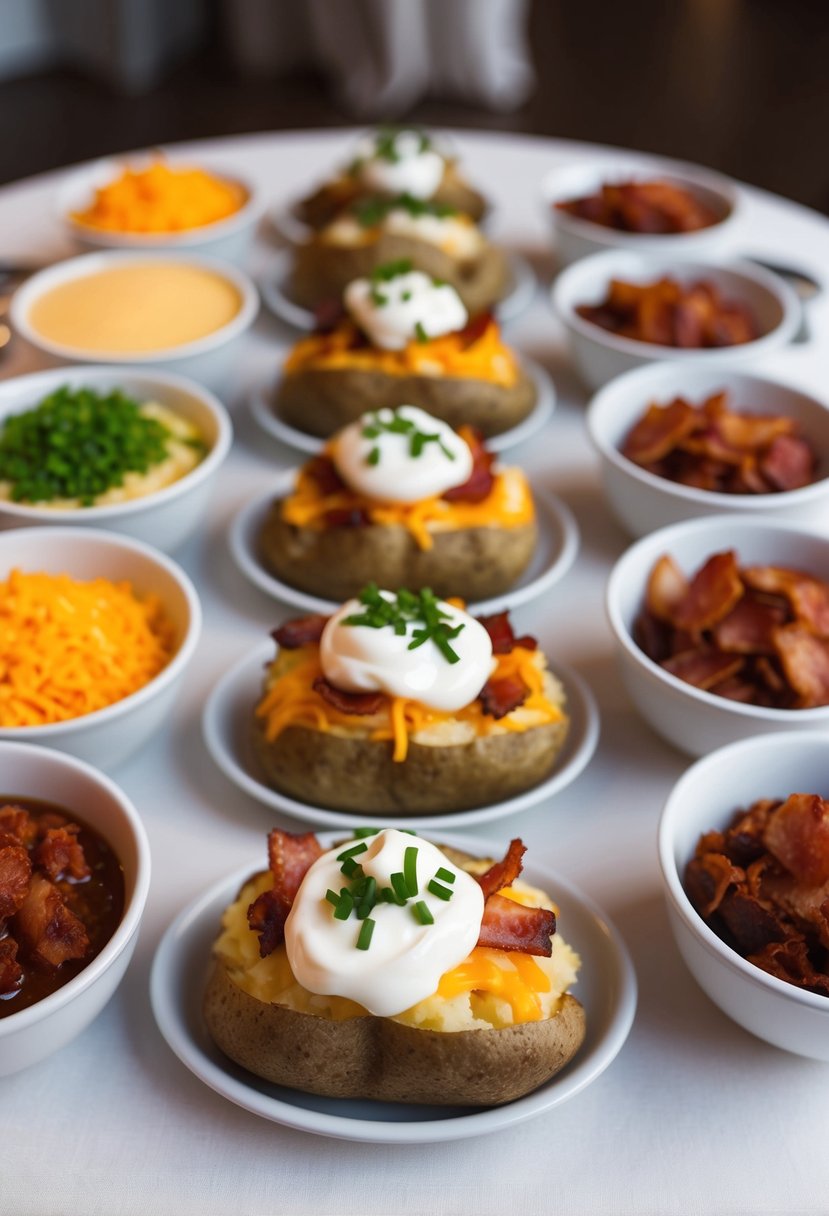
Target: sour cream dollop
x=382, y=463
x=360, y=658
x=405, y=959
x=394, y=311
x=409, y=168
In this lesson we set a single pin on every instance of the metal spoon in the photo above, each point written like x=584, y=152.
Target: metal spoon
x=805, y=287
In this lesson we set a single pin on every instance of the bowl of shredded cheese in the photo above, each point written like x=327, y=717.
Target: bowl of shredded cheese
x=154, y=201
x=96, y=631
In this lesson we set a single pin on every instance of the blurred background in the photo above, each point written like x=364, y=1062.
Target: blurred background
x=739, y=85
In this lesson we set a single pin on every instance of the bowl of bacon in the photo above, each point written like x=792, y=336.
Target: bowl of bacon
x=722, y=630
x=96, y=631
x=677, y=443
x=623, y=310
x=745, y=864
x=74, y=878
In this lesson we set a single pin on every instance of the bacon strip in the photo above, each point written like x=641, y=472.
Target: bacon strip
x=503, y=873
x=507, y=925
x=478, y=485
x=15, y=873
x=301, y=631
x=18, y=822
x=714, y=590
x=361, y=703
x=290, y=856
x=60, y=853
x=808, y=596
x=798, y=836
x=323, y=471
x=11, y=973
x=805, y=661
x=659, y=431
x=46, y=929
x=500, y=697
x=502, y=636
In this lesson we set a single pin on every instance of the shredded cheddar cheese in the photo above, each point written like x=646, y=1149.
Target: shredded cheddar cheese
x=69, y=648
x=161, y=199
x=290, y=700
x=484, y=358
x=509, y=505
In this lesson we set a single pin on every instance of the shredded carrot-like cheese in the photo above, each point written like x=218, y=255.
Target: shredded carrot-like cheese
x=161, y=198
x=486, y=358
x=290, y=700
x=69, y=648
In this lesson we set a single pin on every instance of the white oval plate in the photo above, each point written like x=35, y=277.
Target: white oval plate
x=226, y=729
x=555, y=552
x=538, y=417
x=273, y=288
x=606, y=987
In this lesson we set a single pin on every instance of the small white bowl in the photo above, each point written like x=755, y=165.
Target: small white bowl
x=704, y=799
x=229, y=238
x=695, y=721
x=168, y=516
x=642, y=501
x=36, y=773
x=600, y=355
x=209, y=360
x=107, y=736
x=576, y=238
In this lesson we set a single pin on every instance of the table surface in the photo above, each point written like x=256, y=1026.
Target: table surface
x=694, y=1115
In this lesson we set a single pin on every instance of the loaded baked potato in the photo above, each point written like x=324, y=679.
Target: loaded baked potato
x=389, y=163
x=456, y=998
x=407, y=338
x=403, y=704
x=435, y=239
x=401, y=492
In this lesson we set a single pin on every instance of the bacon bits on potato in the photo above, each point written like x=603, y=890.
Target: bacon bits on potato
x=652, y=207
x=669, y=313
x=758, y=634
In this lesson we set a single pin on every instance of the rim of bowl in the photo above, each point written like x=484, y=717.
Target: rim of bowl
x=91, y=263
x=675, y=889
x=694, y=177
x=135, y=506
x=93, y=536
x=85, y=177
x=728, y=503
x=133, y=908
x=775, y=287
x=717, y=525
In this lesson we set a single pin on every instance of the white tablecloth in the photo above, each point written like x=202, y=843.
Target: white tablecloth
x=694, y=1116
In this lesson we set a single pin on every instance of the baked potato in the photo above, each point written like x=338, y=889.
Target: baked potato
x=342, y=523
x=386, y=754
x=476, y=1047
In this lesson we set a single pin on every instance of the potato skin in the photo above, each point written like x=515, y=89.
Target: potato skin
x=337, y=563
x=331, y=199
x=377, y=1058
x=322, y=271
x=356, y=773
x=321, y=401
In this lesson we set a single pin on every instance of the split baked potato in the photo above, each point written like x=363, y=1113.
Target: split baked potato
x=471, y=1049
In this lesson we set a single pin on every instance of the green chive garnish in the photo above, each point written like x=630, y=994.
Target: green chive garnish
x=332, y=897
x=403, y=609
x=364, y=936
x=353, y=851
x=351, y=868
x=410, y=869
x=422, y=913
x=345, y=906
x=441, y=892
x=399, y=886
x=420, y=332
x=359, y=833
x=368, y=898
x=445, y=875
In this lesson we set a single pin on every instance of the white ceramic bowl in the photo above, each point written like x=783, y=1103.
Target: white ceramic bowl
x=209, y=360
x=642, y=501
x=32, y=1034
x=107, y=736
x=576, y=238
x=695, y=721
x=600, y=355
x=229, y=238
x=165, y=518
x=703, y=799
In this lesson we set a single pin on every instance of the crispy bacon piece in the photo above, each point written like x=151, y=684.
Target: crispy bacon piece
x=266, y=916
x=507, y=925
x=502, y=636
x=58, y=852
x=323, y=472
x=789, y=960
x=655, y=207
x=48, y=931
x=478, y=486
x=713, y=591
x=19, y=823
x=789, y=463
x=475, y=329
x=704, y=668
x=11, y=973
x=749, y=626
x=503, y=873
x=667, y=587
x=659, y=431
x=805, y=662
x=301, y=631
x=798, y=836
x=500, y=697
x=808, y=596
x=708, y=878
x=666, y=312
x=15, y=875
x=290, y=856
x=361, y=703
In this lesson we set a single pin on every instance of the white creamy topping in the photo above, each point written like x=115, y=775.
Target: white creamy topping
x=391, y=312
x=397, y=465
x=412, y=169
x=405, y=959
x=454, y=234
x=360, y=658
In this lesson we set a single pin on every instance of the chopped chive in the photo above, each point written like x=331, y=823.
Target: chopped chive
x=422, y=913
x=332, y=897
x=345, y=906
x=351, y=868
x=410, y=869
x=368, y=898
x=445, y=875
x=364, y=937
x=352, y=851
x=399, y=886
x=358, y=833
x=441, y=892
x=420, y=332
